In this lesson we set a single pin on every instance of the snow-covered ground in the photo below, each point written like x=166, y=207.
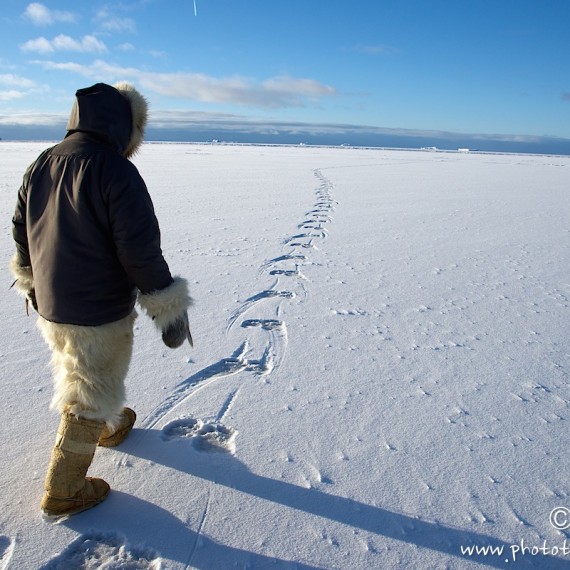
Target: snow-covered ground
x=379, y=378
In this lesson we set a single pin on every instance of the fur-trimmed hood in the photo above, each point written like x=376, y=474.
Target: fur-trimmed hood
x=139, y=116
x=117, y=114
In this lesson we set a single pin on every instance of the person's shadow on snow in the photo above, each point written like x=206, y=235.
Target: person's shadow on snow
x=128, y=532
x=224, y=469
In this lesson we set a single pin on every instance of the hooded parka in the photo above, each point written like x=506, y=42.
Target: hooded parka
x=84, y=226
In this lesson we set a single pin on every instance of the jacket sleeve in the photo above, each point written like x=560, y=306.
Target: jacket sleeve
x=20, y=264
x=136, y=234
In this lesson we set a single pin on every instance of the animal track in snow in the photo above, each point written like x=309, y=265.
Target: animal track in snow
x=349, y=312
x=204, y=436
x=266, y=324
x=319, y=216
x=249, y=303
x=281, y=258
x=289, y=239
x=221, y=369
x=313, y=225
x=272, y=353
x=104, y=550
x=285, y=272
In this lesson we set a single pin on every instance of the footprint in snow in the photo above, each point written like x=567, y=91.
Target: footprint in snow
x=204, y=436
x=104, y=550
x=6, y=551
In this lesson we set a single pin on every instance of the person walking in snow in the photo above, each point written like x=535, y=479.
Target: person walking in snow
x=87, y=248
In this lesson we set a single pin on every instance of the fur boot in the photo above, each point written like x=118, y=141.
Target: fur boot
x=67, y=489
x=113, y=437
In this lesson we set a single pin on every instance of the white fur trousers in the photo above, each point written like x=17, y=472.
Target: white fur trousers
x=90, y=366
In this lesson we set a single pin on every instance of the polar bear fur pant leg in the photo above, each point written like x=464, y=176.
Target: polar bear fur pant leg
x=90, y=365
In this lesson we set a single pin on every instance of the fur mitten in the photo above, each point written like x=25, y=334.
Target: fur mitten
x=24, y=281
x=176, y=333
x=168, y=309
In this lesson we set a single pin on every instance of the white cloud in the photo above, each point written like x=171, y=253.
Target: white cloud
x=303, y=87
x=10, y=80
x=277, y=92
x=112, y=23
x=39, y=45
x=119, y=25
x=88, y=44
x=33, y=119
x=15, y=87
x=11, y=95
x=40, y=15
x=70, y=66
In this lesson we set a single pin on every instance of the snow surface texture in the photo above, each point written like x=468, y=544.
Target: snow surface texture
x=379, y=379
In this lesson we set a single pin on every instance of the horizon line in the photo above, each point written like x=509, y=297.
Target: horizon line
x=198, y=126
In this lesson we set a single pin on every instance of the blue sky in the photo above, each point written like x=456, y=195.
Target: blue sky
x=486, y=67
